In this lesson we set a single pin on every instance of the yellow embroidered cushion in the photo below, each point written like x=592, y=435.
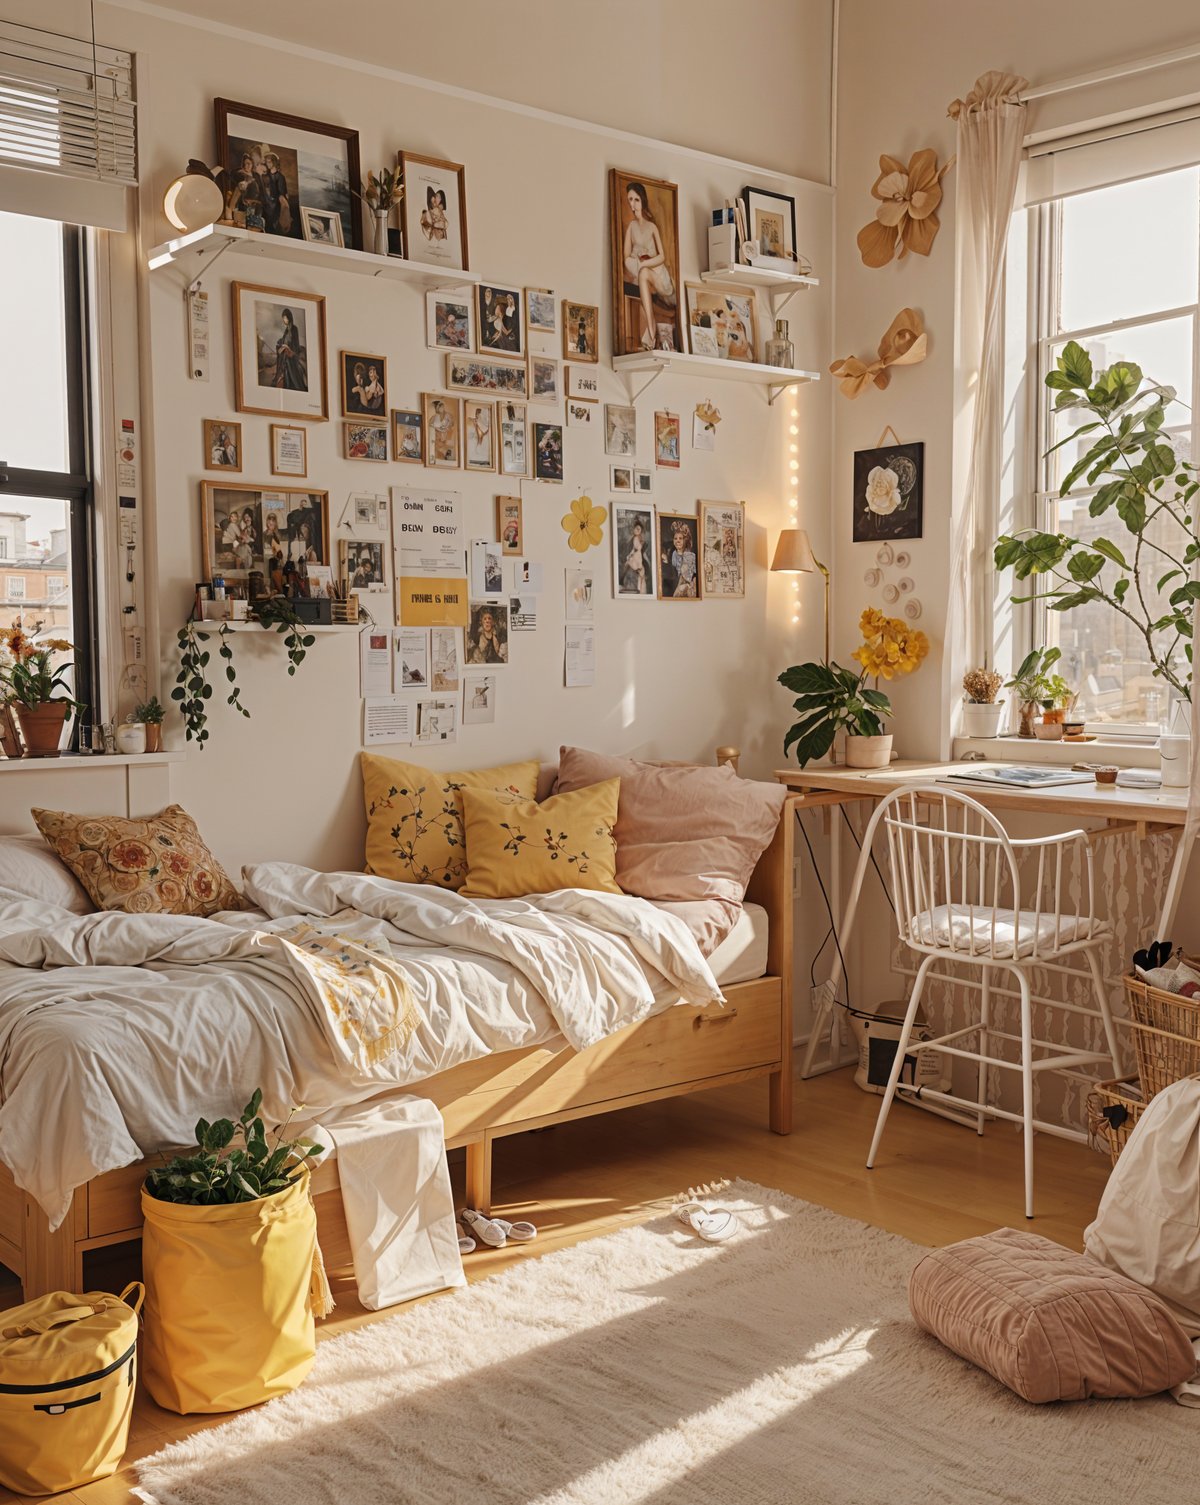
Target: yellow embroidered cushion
x=567, y=841
x=414, y=816
x=156, y=865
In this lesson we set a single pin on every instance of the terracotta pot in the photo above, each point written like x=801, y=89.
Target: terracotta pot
x=153, y=736
x=10, y=736
x=1054, y=715
x=42, y=727
x=869, y=752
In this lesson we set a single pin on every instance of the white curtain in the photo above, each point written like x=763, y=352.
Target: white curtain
x=991, y=125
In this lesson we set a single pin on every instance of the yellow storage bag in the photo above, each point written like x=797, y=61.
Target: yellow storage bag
x=228, y=1316
x=67, y=1370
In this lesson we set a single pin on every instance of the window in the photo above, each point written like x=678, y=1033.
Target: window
x=1116, y=269
x=46, y=498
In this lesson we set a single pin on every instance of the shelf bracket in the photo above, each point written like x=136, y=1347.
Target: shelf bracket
x=774, y=393
x=645, y=386
x=213, y=259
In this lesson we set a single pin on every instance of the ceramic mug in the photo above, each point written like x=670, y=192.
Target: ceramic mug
x=131, y=737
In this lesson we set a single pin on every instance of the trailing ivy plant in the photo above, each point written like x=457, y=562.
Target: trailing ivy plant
x=1141, y=483
x=192, y=689
x=221, y=1170
x=279, y=613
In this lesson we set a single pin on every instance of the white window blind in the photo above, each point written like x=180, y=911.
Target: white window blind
x=68, y=127
x=1113, y=154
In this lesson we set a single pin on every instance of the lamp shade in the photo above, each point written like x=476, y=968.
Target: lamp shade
x=193, y=201
x=793, y=553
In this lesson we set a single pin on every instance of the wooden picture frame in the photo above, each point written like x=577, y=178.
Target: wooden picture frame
x=660, y=203
x=273, y=355
x=499, y=321
x=466, y=373
x=510, y=528
x=723, y=550
x=634, y=552
x=678, y=536
x=364, y=385
x=583, y=384
x=322, y=227
x=222, y=439
x=512, y=438
x=722, y=311
x=408, y=436
x=441, y=424
x=365, y=440
x=289, y=450
x=434, y=233
x=250, y=130
x=272, y=531
x=581, y=332
x=478, y=434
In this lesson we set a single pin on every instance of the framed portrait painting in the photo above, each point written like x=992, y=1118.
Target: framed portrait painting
x=407, y=436
x=442, y=421
x=634, y=554
x=449, y=320
x=889, y=487
x=500, y=323
x=364, y=385
x=278, y=165
x=723, y=550
x=222, y=444
x=433, y=211
x=644, y=222
x=722, y=321
x=581, y=331
x=246, y=527
x=279, y=352
x=479, y=434
x=678, y=557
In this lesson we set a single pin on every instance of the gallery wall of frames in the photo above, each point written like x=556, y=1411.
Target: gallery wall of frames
x=543, y=548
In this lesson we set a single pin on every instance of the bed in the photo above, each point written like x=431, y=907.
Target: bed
x=508, y=1091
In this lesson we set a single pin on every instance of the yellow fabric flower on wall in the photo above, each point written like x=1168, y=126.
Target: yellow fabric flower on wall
x=585, y=524
x=890, y=647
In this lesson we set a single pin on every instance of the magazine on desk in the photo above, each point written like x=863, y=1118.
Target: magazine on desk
x=1020, y=776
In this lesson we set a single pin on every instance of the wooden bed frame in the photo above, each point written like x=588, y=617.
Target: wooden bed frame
x=678, y=1051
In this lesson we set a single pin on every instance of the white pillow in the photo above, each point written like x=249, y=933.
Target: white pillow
x=28, y=866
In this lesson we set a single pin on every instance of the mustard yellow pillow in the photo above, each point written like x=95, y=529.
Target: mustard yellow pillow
x=414, y=816
x=518, y=848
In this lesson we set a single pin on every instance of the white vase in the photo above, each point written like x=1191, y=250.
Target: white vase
x=1174, y=748
x=981, y=719
x=869, y=752
x=131, y=737
x=381, y=229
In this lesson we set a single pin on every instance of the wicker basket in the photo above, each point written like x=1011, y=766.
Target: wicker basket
x=1166, y=1033
x=1112, y=1116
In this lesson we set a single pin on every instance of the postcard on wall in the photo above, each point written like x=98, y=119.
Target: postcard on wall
x=620, y=431
x=374, y=661
x=437, y=721
x=508, y=524
x=487, y=633
x=386, y=718
x=412, y=659
x=479, y=699
x=583, y=384
x=579, y=655
x=487, y=568
x=666, y=440
x=579, y=586
x=512, y=456
x=579, y=414
x=723, y=543
x=540, y=309
x=523, y=613
x=524, y=577
x=362, y=567
x=444, y=658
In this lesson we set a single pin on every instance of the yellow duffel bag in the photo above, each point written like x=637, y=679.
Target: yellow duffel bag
x=230, y=1294
x=67, y=1369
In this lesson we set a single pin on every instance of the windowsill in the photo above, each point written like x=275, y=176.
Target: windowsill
x=1121, y=752
x=74, y=762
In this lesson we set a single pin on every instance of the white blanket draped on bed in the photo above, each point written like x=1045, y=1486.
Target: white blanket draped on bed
x=118, y=1031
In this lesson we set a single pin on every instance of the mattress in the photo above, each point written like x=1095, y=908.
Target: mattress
x=742, y=955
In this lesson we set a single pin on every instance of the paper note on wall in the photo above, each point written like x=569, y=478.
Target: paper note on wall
x=374, y=661
x=431, y=559
x=432, y=601
x=387, y=718
x=579, y=665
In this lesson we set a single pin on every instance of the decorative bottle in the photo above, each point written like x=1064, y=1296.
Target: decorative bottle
x=780, y=351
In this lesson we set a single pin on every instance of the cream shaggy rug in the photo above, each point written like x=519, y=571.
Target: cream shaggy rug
x=780, y=1368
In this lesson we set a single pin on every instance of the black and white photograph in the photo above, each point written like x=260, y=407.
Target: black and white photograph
x=487, y=633
x=487, y=568
x=634, y=553
x=362, y=567
x=620, y=431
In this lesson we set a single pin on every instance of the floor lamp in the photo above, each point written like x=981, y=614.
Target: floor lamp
x=794, y=556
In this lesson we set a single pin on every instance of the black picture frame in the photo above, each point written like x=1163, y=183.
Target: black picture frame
x=749, y=193
x=905, y=495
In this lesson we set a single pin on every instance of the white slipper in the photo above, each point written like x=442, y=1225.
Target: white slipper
x=465, y=1242
x=713, y=1225
x=516, y=1233
x=484, y=1229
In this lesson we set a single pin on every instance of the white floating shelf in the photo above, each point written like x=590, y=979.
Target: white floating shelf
x=777, y=282
x=68, y=762
x=775, y=379
x=196, y=253
x=303, y=627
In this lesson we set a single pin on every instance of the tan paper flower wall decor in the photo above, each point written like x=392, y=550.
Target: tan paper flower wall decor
x=906, y=219
x=904, y=344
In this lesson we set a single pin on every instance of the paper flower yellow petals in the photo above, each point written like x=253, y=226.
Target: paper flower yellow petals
x=585, y=524
x=906, y=219
x=890, y=646
x=904, y=344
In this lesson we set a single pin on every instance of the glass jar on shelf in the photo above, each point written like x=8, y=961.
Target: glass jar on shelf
x=780, y=351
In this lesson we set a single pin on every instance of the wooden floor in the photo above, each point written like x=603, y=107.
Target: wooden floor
x=934, y=1183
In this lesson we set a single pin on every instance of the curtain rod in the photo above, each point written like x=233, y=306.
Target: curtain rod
x=1117, y=70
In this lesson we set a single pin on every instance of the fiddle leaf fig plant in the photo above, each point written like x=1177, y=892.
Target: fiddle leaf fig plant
x=1148, y=493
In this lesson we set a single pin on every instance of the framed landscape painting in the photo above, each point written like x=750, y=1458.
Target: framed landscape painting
x=644, y=222
x=279, y=352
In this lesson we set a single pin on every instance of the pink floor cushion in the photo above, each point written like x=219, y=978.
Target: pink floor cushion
x=1048, y=1323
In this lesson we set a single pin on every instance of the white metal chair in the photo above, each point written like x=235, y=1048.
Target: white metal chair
x=958, y=898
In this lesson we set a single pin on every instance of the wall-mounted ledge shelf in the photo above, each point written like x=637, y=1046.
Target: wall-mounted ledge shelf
x=273, y=627
x=780, y=287
x=775, y=380
x=73, y=762
x=197, y=253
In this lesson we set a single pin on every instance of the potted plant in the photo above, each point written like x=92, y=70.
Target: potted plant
x=831, y=698
x=1132, y=474
x=1031, y=685
x=981, y=711
x=1058, y=701
x=151, y=714
x=232, y=1269
x=35, y=687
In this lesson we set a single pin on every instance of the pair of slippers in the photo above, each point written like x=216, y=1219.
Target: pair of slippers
x=474, y=1228
x=713, y=1224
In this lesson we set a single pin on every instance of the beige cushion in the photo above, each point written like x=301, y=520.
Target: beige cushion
x=1048, y=1323
x=30, y=867
x=683, y=832
x=973, y=928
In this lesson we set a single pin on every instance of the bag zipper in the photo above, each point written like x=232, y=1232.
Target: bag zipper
x=83, y=1379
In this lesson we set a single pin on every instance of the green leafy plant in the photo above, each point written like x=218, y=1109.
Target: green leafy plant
x=1142, y=483
x=233, y=1162
x=279, y=613
x=150, y=711
x=1033, y=683
x=28, y=675
x=192, y=690
x=830, y=697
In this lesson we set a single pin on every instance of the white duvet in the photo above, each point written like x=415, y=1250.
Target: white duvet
x=118, y=1031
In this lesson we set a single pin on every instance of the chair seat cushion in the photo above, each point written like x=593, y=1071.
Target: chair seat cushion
x=1048, y=1323
x=969, y=928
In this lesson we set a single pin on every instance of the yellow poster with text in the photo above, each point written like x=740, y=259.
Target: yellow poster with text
x=433, y=600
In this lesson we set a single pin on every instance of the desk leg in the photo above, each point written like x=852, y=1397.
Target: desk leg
x=1174, y=885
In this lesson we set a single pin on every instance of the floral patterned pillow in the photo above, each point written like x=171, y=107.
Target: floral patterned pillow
x=515, y=848
x=158, y=865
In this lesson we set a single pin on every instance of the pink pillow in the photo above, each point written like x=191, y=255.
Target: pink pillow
x=683, y=832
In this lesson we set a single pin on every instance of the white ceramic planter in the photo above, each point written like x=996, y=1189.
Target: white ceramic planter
x=980, y=719
x=1174, y=760
x=869, y=752
x=131, y=737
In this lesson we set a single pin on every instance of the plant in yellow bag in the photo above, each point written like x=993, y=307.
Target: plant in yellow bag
x=219, y=1173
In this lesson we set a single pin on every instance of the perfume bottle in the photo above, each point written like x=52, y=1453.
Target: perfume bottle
x=780, y=351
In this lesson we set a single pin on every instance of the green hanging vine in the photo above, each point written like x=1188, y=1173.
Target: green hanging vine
x=192, y=690
x=280, y=614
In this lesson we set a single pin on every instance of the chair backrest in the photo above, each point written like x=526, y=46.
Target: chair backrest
x=953, y=870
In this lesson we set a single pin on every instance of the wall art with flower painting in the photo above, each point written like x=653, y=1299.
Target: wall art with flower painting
x=889, y=486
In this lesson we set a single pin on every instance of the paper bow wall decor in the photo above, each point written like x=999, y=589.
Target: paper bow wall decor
x=904, y=344
x=906, y=219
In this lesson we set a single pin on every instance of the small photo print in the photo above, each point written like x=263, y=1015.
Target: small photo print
x=444, y=657
x=583, y=384
x=322, y=226
x=581, y=331
x=523, y=612
x=319, y=578
x=479, y=699
x=643, y=482
x=449, y=320
x=222, y=444
x=366, y=510
x=365, y=441
x=406, y=436
x=437, y=721
x=487, y=633
x=499, y=314
x=620, y=478
x=513, y=454
x=412, y=658
x=443, y=430
x=678, y=561
x=487, y=568
x=579, y=414
x=548, y=451
x=289, y=448
x=666, y=440
x=508, y=524
x=364, y=385
x=544, y=384
x=578, y=588
x=620, y=431
x=633, y=550
x=540, y=307
x=361, y=567
x=479, y=429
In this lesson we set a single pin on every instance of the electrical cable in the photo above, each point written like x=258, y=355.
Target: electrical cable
x=874, y=864
x=828, y=910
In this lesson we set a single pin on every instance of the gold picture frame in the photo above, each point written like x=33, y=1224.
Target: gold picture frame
x=245, y=527
x=273, y=330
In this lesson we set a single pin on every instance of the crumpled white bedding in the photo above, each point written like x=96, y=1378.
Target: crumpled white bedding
x=118, y=1031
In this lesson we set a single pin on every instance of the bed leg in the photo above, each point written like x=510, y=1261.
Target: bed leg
x=780, y=1116
x=479, y=1175
x=52, y=1261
